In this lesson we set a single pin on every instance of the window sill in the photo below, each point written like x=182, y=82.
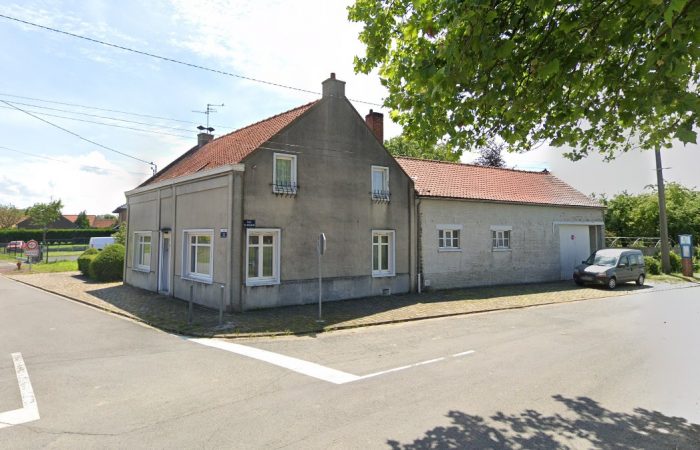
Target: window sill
x=141, y=269
x=283, y=192
x=265, y=282
x=198, y=280
x=382, y=274
x=448, y=250
x=502, y=249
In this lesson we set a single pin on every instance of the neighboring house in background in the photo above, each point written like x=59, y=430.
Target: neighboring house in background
x=121, y=214
x=483, y=225
x=240, y=215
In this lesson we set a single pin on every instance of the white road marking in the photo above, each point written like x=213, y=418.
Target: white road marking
x=305, y=367
x=29, y=411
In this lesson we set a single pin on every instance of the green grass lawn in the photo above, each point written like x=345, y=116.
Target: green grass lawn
x=64, y=253
x=58, y=266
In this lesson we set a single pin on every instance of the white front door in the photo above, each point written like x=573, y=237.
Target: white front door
x=574, y=247
x=164, y=264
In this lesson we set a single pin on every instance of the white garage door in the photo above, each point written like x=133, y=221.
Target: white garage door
x=574, y=247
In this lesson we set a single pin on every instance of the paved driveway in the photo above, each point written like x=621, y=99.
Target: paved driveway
x=614, y=372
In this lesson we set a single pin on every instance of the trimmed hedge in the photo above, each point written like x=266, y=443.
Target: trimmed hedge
x=108, y=264
x=676, y=265
x=85, y=259
x=23, y=234
x=653, y=265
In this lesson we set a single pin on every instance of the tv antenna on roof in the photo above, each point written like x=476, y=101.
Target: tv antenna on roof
x=210, y=109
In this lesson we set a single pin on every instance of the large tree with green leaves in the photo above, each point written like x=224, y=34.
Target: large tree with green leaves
x=43, y=214
x=9, y=216
x=402, y=146
x=597, y=75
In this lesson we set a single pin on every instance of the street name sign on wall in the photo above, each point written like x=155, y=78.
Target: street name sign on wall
x=249, y=223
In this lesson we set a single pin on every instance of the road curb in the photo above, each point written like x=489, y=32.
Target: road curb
x=323, y=330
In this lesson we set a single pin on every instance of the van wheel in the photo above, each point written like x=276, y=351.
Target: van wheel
x=578, y=282
x=640, y=280
x=612, y=283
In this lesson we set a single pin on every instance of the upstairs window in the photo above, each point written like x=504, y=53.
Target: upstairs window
x=380, y=183
x=284, y=174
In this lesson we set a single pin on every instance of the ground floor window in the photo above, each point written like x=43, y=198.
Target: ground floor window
x=142, y=250
x=383, y=253
x=263, y=256
x=199, y=255
x=448, y=237
x=500, y=237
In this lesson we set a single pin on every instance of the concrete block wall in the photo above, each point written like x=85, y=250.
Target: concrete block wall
x=534, y=254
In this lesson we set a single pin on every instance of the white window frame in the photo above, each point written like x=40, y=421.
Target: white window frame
x=293, y=159
x=138, y=249
x=392, y=254
x=385, y=185
x=451, y=229
x=186, y=253
x=276, y=257
x=502, y=229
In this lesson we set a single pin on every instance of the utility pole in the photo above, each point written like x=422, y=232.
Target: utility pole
x=663, y=223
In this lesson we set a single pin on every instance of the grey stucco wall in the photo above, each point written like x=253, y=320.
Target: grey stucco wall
x=534, y=254
x=335, y=151
x=204, y=204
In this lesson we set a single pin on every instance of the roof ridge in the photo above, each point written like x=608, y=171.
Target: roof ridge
x=455, y=163
x=305, y=105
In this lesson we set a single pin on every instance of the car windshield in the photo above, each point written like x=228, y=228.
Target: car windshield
x=602, y=260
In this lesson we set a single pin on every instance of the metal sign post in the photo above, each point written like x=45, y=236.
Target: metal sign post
x=321, y=247
x=686, y=243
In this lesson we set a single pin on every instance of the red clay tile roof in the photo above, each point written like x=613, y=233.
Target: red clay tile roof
x=466, y=181
x=230, y=148
x=103, y=223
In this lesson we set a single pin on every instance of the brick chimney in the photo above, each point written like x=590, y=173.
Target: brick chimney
x=333, y=87
x=375, y=122
x=204, y=138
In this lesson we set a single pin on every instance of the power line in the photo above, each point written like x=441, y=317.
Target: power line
x=152, y=164
x=102, y=123
x=34, y=155
x=102, y=117
x=103, y=109
x=176, y=61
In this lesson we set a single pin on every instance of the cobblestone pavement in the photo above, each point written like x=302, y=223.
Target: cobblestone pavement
x=171, y=314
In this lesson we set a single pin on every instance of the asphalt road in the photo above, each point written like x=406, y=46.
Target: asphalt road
x=610, y=373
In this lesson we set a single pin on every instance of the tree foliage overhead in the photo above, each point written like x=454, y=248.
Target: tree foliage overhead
x=402, y=146
x=638, y=215
x=9, y=216
x=491, y=155
x=43, y=214
x=597, y=75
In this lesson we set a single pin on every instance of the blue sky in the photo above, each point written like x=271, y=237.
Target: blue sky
x=296, y=43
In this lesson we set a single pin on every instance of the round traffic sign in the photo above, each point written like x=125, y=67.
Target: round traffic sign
x=31, y=245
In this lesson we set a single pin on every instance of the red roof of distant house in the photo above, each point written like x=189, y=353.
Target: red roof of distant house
x=230, y=148
x=472, y=182
x=103, y=223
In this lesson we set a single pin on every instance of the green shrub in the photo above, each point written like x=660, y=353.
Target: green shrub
x=653, y=265
x=85, y=259
x=108, y=264
x=676, y=265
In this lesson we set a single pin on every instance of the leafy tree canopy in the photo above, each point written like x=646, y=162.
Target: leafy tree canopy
x=597, y=75
x=9, y=215
x=638, y=215
x=43, y=214
x=402, y=146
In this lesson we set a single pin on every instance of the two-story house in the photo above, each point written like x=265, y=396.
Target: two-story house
x=239, y=217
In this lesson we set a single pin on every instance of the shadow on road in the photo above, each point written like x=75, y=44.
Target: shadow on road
x=586, y=424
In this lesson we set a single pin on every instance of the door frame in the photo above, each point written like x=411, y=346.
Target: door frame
x=164, y=264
